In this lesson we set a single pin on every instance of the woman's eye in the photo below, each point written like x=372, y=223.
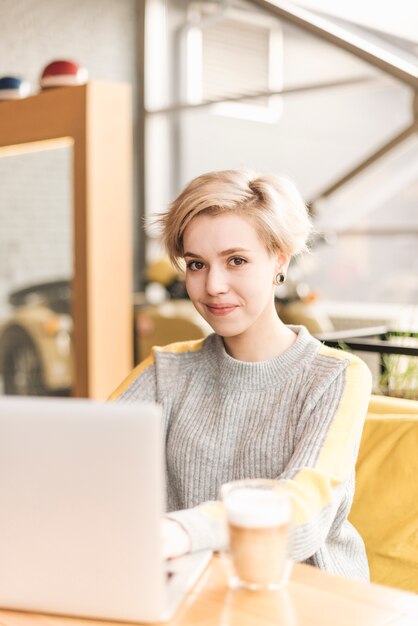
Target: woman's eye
x=236, y=261
x=195, y=265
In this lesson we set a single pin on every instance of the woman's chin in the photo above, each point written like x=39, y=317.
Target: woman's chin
x=225, y=330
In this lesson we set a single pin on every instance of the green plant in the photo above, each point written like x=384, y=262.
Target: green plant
x=399, y=377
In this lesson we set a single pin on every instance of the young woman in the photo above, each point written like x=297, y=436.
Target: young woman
x=257, y=398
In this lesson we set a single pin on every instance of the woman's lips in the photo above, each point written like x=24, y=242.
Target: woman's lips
x=221, y=309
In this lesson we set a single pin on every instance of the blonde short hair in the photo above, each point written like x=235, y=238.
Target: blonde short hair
x=271, y=201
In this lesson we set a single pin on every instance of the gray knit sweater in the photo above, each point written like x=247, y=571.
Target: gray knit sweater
x=297, y=417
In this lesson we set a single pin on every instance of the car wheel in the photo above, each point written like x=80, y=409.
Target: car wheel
x=22, y=368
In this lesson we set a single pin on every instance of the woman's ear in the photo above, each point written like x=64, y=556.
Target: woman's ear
x=282, y=264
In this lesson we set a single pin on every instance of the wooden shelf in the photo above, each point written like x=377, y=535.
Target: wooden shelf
x=96, y=118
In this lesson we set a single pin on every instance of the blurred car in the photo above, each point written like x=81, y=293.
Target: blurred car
x=35, y=341
x=36, y=353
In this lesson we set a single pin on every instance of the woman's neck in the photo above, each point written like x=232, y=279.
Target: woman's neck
x=263, y=341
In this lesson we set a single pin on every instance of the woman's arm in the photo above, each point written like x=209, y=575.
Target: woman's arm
x=319, y=473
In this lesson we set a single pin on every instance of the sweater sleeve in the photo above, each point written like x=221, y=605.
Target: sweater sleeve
x=317, y=474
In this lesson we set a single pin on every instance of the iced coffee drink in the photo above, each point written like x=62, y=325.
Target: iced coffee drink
x=259, y=515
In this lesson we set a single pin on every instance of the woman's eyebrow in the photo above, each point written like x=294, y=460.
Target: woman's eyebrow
x=223, y=253
x=191, y=254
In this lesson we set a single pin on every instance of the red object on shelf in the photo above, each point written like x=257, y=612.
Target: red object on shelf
x=63, y=73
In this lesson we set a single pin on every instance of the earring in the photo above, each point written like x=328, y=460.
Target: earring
x=280, y=278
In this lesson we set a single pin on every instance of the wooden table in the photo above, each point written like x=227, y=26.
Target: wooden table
x=312, y=598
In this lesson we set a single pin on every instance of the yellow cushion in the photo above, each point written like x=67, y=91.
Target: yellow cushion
x=392, y=406
x=385, y=507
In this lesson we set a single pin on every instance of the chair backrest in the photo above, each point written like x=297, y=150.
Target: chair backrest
x=385, y=507
x=175, y=320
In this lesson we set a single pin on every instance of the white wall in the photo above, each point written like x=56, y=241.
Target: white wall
x=35, y=188
x=35, y=218
x=99, y=34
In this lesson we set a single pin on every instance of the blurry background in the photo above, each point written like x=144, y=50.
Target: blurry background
x=325, y=94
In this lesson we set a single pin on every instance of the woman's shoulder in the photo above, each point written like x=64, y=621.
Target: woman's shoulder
x=177, y=360
x=164, y=363
x=179, y=352
x=336, y=374
x=321, y=360
x=336, y=366
x=342, y=359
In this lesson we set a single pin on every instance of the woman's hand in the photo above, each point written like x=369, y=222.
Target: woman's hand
x=176, y=540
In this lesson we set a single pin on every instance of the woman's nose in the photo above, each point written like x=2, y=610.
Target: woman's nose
x=216, y=281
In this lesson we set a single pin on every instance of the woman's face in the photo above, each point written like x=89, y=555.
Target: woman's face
x=230, y=273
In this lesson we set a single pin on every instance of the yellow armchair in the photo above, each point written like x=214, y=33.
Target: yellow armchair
x=385, y=507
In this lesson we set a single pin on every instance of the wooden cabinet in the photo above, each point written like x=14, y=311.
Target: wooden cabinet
x=96, y=119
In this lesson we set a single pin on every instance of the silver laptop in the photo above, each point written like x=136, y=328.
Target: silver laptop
x=82, y=496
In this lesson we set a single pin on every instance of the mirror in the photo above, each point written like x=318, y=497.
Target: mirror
x=36, y=266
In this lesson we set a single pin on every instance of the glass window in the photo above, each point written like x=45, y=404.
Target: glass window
x=334, y=113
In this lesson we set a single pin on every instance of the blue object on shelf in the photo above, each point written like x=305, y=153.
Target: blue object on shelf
x=13, y=88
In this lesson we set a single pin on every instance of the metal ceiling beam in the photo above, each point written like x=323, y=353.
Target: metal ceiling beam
x=371, y=53
x=330, y=84
x=372, y=158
